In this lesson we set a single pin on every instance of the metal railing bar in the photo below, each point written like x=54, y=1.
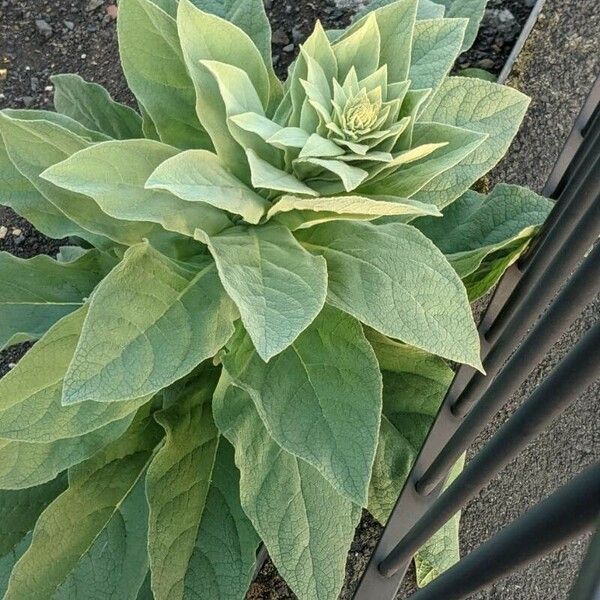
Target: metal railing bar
x=568, y=241
x=538, y=296
x=587, y=584
x=561, y=388
x=566, y=514
x=580, y=290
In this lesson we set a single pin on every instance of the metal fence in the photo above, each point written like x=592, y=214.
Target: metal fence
x=559, y=276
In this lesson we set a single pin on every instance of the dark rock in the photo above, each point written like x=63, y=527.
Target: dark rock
x=93, y=5
x=485, y=63
x=69, y=25
x=280, y=37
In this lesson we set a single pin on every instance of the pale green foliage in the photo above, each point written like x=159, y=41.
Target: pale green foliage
x=246, y=339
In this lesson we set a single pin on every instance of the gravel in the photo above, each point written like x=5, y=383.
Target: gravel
x=41, y=37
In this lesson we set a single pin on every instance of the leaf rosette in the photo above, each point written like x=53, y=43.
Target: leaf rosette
x=247, y=337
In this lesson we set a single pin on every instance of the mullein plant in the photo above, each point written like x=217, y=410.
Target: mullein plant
x=246, y=338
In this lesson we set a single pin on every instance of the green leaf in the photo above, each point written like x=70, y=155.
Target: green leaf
x=114, y=174
x=470, y=9
x=396, y=23
x=33, y=146
x=8, y=561
x=430, y=10
x=224, y=556
x=297, y=213
x=153, y=64
x=178, y=481
x=39, y=291
x=474, y=226
x=264, y=175
x=18, y=193
x=206, y=36
x=480, y=106
x=478, y=74
x=436, y=44
x=30, y=394
x=392, y=278
x=320, y=399
x=442, y=550
x=200, y=176
x=68, y=528
x=91, y=105
x=407, y=179
x=359, y=50
x=149, y=323
x=304, y=523
x=278, y=287
x=116, y=563
x=350, y=177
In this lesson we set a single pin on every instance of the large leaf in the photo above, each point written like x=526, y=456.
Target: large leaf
x=224, y=555
x=178, y=481
x=149, y=323
x=442, y=550
x=30, y=394
x=305, y=524
x=320, y=399
x=39, y=291
x=436, y=44
x=278, y=286
x=91, y=105
x=475, y=225
x=414, y=385
x=205, y=36
x=297, y=213
x=470, y=9
x=68, y=528
x=200, y=176
x=394, y=279
x=480, y=106
x=114, y=174
x=18, y=193
x=35, y=145
x=153, y=65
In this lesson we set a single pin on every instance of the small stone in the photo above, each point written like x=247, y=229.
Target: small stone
x=69, y=25
x=17, y=231
x=27, y=101
x=280, y=37
x=288, y=48
x=3, y=74
x=3, y=232
x=529, y=3
x=12, y=365
x=44, y=28
x=34, y=83
x=297, y=34
x=112, y=11
x=268, y=4
x=93, y=5
x=485, y=63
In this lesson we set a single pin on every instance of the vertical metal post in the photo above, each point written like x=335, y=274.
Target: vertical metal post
x=568, y=513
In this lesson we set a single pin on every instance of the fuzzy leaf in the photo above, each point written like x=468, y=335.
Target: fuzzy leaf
x=470, y=9
x=224, y=556
x=91, y=105
x=474, y=226
x=17, y=192
x=278, y=287
x=206, y=36
x=320, y=399
x=359, y=50
x=297, y=213
x=178, y=481
x=436, y=44
x=305, y=524
x=149, y=324
x=199, y=176
x=35, y=145
x=153, y=64
x=114, y=174
x=480, y=106
x=30, y=394
x=68, y=528
x=39, y=291
x=392, y=278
